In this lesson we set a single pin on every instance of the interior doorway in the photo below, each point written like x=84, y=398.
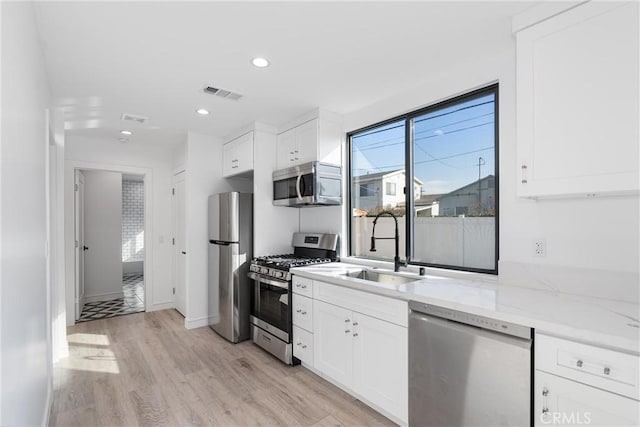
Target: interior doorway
x=109, y=209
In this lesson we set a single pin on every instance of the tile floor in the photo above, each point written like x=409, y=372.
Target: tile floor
x=133, y=301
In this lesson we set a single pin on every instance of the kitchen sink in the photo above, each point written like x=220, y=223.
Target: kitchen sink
x=380, y=277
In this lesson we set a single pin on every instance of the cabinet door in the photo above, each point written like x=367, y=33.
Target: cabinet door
x=229, y=159
x=285, y=149
x=380, y=364
x=332, y=342
x=558, y=401
x=306, y=142
x=244, y=153
x=577, y=102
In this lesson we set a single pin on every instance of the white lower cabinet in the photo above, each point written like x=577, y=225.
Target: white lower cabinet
x=364, y=354
x=303, y=345
x=380, y=363
x=332, y=342
x=559, y=401
x=582, y=384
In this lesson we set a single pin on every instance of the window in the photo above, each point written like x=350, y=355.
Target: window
x=367, y=190
x=391, y=189
x=446, y=156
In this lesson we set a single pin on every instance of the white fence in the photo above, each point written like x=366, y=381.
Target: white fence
x=461, y=241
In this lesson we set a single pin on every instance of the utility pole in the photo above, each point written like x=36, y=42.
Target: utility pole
x=481, y=163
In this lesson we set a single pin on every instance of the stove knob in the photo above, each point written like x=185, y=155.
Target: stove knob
x=280, y=274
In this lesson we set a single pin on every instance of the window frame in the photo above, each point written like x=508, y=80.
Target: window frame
x=409, y=173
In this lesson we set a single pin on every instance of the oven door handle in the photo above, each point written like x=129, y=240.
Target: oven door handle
x=272, y=282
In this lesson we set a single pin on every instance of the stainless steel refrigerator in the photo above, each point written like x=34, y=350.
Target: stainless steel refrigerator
x=230, y=252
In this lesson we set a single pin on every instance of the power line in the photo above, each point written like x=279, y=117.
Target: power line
x=437, y=159
x=427, y=137
x=454, y=123
x=382, y=143
x=454, y=111
x=421, y=120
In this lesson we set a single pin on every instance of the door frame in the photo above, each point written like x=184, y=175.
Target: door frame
x=178, y=176
x=70, y=167
x=78, y=228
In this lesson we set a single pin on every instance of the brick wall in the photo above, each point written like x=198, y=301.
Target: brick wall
x=132, y=221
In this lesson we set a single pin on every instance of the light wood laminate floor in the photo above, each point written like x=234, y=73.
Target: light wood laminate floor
x=146, y=369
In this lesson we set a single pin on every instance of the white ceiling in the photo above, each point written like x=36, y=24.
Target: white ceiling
x=154, y=58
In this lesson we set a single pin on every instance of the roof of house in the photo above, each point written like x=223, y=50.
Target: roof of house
x=427, y=199
x=385, y=174
x=471, y=184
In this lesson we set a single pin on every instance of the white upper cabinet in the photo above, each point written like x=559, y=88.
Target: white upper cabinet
x=315, y=138
x=287, y=149
x=238, y=155
x=577, y=102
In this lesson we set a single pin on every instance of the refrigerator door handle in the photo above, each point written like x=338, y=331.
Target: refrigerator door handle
x=219, y=242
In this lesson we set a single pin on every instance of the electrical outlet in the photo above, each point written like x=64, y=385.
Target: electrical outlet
x=540, y=248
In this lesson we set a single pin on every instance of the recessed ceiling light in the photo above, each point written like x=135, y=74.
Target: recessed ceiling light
x=202, y=111
x=260, y=62
x=126, y=132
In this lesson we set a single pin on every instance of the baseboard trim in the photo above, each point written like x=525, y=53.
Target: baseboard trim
x=103, y=297
x=199, y=322
x=161, y=306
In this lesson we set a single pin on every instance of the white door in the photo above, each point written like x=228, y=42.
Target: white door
x=333, y=342
x=78, y=204
x=180, y=247
x=103, y=235
x=380, y=364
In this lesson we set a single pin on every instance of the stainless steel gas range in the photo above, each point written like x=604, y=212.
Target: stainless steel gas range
x=270, y=319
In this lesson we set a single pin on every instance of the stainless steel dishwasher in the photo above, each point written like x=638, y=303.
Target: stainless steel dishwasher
x=467, y=370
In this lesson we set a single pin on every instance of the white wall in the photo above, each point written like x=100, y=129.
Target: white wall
x=204, y=177
x=24, y=366
x=58, y=318
x=132, y=158
x=102, y=235
x=582, y=235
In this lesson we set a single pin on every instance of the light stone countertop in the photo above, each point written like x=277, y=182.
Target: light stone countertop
x=597, y=321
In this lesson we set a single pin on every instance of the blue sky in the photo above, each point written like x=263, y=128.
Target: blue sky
x=448, y=141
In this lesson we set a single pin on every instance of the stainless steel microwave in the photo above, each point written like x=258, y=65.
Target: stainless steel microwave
x=309, y=184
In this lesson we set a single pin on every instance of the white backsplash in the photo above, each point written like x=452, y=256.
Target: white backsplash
x=612, y=285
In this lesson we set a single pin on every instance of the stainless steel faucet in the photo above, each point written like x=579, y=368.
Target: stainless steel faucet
x=396, y=260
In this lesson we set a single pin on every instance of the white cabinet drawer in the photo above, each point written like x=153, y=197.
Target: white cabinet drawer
x=303, y=345
x=303, y=312
x=384, y=308
x=559, y=401
x=303, y=286
x=603, y=368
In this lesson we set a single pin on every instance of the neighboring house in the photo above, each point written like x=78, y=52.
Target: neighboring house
x=476, y=198
x=428, y=205
x=382, y=190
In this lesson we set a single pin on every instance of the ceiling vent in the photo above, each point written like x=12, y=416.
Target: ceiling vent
x=222, y=93
x=133, y=118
